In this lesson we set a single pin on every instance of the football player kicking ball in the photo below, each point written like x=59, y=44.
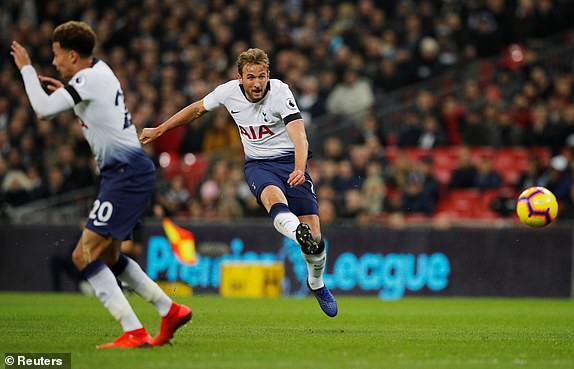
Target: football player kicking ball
x=276, y=150
x=127, y=178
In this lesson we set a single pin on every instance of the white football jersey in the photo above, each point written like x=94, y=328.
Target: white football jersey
x=107, y=124
x=262, y=125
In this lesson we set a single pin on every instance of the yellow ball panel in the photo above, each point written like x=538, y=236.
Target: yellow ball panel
x=541, y=203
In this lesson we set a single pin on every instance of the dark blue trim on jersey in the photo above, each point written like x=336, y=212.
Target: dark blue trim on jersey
x=293, y=117
x=75, y=95
x=137, y=160
x=94, y=61
x=267, y=89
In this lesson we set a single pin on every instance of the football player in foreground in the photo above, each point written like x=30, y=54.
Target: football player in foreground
x=127, y=178
x=276, y=149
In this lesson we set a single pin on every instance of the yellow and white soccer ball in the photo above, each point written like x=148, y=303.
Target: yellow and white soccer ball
x=536, y=207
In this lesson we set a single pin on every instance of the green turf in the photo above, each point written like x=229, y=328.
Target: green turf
x=293, y=333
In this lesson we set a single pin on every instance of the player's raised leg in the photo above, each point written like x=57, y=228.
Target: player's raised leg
x=173, y=315
x=86, y=258
x=284, y=221
x=316, y=261
x=304, y=230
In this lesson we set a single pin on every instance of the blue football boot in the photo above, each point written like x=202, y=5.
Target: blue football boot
x=326, y=300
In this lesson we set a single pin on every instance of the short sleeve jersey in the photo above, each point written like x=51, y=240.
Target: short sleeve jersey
x=107, y=125
x=262, y=125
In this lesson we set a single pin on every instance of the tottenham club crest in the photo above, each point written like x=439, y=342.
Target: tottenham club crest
x=290, y=103
x=80, y=80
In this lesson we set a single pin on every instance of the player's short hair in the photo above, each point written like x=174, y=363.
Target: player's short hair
x=252, y=56
x=77, y=36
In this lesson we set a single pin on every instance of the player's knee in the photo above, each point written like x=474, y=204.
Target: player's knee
x=272, y=195
x=78, y=258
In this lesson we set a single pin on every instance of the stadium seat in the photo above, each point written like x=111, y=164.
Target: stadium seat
x=194, y=171
x=171, y=166
x=468, y=203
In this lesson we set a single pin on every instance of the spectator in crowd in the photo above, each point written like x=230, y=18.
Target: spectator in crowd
x=221, y=138
x=431, y=135
x=476, y=131
x=414, y=198
x=411, y=131
x=16, y=187
x=427, y=63
x=328, y=213
x=507, y=133
x=369, y=130
x=374, y=189
x=175, y=199
x=568, y=125
x=431, y=187
x=352, y=98
x=487, y=178
x=465, y=173
x=400, y=170
x=359, y=156
x=531, y=175
x=520, y=111
x=353, y=204
x=346, y=178
x=542, y=131
x=311, y=101
x=452, y=113
x=333, y=149
x=558, y=178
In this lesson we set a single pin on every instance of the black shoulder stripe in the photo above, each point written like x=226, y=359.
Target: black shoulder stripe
x=292, y=117
x=75, y=95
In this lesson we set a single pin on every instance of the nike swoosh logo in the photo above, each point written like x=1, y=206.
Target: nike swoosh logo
x=97, y=223
x=235, y=111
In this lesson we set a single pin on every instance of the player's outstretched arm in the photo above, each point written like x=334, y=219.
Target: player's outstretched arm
x=296, y=131
x=43, y=104
x=184, y=116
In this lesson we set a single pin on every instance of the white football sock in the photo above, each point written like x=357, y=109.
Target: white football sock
x=144, y=286
x=286, y=223
x=109, y=293
x=315, y=268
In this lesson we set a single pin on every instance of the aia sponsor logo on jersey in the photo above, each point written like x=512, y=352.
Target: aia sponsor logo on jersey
x=255, y=133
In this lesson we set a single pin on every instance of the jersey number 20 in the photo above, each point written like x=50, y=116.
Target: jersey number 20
x=101, y=212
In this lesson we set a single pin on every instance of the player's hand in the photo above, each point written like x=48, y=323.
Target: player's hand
x=51, y=84
x=149, y=134
x=296, y=178
x=20, y=55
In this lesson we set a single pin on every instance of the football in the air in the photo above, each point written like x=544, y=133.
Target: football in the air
x=536, y=207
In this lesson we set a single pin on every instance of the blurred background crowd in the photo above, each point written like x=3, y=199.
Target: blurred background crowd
x=415, y=110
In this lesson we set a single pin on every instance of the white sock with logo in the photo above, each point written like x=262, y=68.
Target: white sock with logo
x=315, y=267
x=286, y=224
x=284, y=220
x=109, y=293
x=144, y=286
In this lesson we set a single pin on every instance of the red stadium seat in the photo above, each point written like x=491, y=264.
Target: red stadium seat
x=471, y=204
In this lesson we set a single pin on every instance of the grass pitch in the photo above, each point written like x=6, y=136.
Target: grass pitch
x=293, y=333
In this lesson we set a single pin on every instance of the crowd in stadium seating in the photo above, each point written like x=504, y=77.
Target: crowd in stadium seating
x=339, y=57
